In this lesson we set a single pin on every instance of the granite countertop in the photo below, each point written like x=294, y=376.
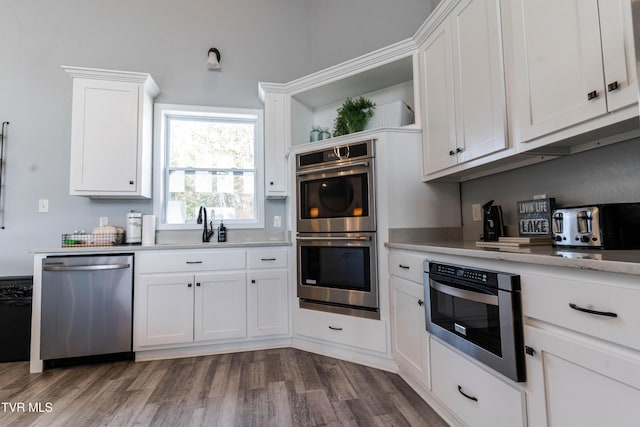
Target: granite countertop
x=613, y=261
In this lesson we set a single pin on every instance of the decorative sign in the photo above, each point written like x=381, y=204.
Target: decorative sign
x=534, y=217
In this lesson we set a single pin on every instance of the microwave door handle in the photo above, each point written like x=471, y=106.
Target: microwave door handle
x=464, y=294
x=329, y=168
x=323, y=238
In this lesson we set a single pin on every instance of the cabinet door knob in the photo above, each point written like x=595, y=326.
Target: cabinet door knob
x=197, y=283
x=420, y=302
x=452, y=153
x=253, y=281
x=130, y=182
x=592, y=95
x=270, y=182
x=612, y=86
x=459, y=150
x=530, y=351
x=189, y=285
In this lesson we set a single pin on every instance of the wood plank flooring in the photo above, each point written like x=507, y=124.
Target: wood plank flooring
x=280, y=387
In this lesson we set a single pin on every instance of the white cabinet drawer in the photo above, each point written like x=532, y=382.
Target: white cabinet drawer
x=473, y=394
x=189, y=260
x=615, y=316
x=267, y=258
x=368, y=334
x=407, y=265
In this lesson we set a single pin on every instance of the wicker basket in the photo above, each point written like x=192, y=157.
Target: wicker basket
x=89, y=239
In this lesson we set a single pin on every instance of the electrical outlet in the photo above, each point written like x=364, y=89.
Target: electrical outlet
x=104, y=220
x=277, y=221
x=476, y=212
x=43, y=205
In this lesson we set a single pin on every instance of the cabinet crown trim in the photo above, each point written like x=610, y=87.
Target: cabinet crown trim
x=114, y=75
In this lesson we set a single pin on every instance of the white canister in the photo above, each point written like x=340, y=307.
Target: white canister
x=134, y=227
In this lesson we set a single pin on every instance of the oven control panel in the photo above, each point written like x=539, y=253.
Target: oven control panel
x=465, y=273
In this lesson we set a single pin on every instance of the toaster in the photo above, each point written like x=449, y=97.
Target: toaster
x=604, y=226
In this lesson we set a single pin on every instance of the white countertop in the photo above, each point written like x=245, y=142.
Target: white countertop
x=613, y=261
x=163, y=246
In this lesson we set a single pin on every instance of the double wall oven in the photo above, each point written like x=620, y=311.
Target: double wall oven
x=336, y=225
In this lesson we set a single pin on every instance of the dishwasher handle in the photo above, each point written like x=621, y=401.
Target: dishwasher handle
x=88, y=267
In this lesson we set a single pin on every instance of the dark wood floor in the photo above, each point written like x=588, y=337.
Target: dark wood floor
x=281, y=387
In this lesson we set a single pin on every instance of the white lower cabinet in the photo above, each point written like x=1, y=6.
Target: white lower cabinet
x=409, y=338
x=183, y=308
x=268, y=303
x=475, y=396
x=367, y=334
x=578, y=381
x=188, y=297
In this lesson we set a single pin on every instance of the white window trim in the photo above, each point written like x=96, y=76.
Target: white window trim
x=159, y=155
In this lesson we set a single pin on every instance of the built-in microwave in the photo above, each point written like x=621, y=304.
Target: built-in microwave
x=336, y=190
x=478, y=312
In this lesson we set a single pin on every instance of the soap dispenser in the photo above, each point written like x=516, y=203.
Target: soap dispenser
x=222, y=232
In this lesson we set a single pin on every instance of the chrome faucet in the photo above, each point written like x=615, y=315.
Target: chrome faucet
x=207, y=232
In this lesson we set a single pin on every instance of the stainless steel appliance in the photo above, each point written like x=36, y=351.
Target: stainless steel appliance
x=478, y=312
x=86, y=306
x=336, y=189
x=337, y=273
x=336, y=224
x=604, y=226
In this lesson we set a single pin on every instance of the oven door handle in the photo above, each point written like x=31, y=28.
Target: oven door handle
x=464, y=294
x=324, y=238
x=327, y=169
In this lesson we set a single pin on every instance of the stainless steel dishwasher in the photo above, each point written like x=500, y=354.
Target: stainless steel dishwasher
x=86, y=306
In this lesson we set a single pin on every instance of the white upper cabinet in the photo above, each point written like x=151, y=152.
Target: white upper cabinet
x=111, y=130
x=572, y=61
x=463, y=87
x=275, y=154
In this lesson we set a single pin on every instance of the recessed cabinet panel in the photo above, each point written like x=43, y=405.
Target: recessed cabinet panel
x=220, y=306
x=409, y=335
x=111, y=125
x=439, y=133
x=102, y=151
x=572, y=381
x=163, y=309
x=268, y=303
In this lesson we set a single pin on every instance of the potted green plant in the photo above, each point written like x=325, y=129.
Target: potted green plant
x=353, y=116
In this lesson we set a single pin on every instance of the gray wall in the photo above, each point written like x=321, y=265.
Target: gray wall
x=260, y=40
x=604, y=175
x=341, y=30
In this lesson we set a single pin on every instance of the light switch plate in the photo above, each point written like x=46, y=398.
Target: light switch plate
x=476, y=212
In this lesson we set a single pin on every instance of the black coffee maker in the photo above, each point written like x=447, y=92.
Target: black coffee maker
x=492, y=225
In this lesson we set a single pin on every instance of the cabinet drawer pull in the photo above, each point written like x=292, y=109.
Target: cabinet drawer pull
x=612, y=86
x=475, y=399
x=194, y=262
x=267, y=259
x=592, y=95
x=586, y=310
x=406, y=267
x=335, y=328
